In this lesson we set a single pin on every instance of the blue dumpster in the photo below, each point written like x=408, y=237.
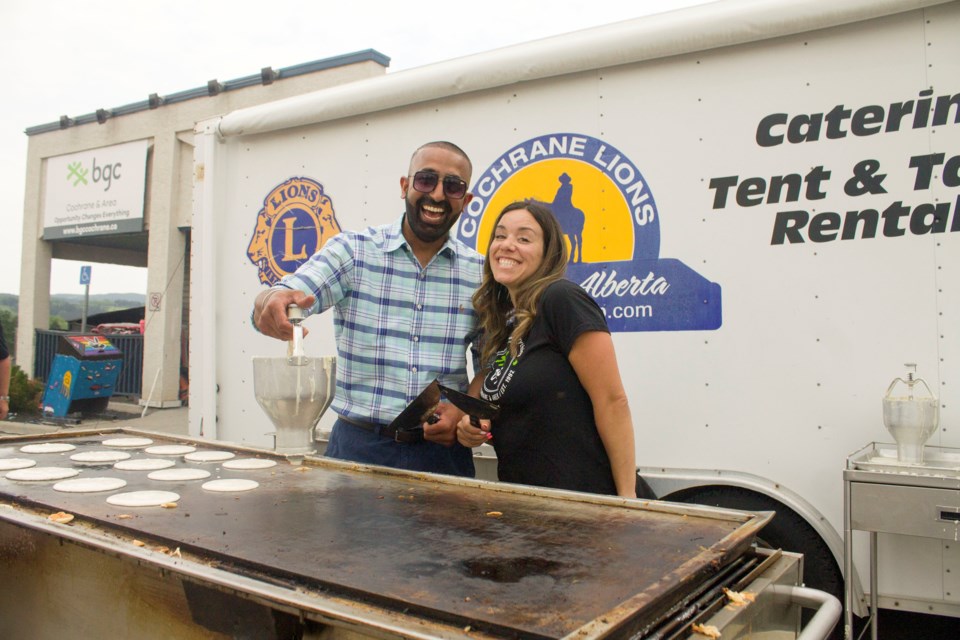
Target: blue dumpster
x=83, y=375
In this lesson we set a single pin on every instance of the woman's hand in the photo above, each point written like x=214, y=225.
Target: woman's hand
x=471, y=436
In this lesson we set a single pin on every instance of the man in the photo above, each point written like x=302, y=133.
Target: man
x=403, y=317
x=4, y=378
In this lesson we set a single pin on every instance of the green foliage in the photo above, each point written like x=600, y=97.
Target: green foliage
x=70, y=305
x=8, y=320
x=58, y=324
x=25, y=394
x=9, y=302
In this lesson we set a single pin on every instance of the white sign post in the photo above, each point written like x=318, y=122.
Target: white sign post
x=85, y=273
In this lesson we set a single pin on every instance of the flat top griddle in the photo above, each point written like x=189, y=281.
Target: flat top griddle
x=505, y=559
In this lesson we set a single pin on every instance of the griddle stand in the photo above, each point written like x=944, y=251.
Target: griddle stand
x=882, y=496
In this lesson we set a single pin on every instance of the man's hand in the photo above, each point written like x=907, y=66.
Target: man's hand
x=270, y=311
x=444, y=430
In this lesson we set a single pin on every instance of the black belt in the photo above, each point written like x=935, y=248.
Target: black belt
x=386, y=431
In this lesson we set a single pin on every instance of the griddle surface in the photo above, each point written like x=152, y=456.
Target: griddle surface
x=518, y=563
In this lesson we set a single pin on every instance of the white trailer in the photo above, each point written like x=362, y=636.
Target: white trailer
x=765, y=199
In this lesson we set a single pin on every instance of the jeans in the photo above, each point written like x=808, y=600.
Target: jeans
x=349, y=442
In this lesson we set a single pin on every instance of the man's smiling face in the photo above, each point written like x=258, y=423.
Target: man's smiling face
x=429, y=216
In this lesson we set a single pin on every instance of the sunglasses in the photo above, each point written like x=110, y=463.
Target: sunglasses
x=426, y=182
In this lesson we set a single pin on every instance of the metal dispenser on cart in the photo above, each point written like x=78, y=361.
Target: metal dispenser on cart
x=909, y=492
x=911, y=416
x=83, y=376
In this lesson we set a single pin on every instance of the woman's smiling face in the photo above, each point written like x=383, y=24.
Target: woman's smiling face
x=516, y=251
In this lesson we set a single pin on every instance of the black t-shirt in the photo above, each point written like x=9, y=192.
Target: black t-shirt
x=546, y=434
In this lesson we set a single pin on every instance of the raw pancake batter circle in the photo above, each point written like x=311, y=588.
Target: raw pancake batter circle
x=39, y=474
x=208, y=456
x=143, y=498
x=173, y=475
x=127, y=443
x=170, y=450
x=249, y=463
x=144, y=464
x=230, y=484
x=48, y=447
x=89, y=485
x=99, y=457
x=7, y=464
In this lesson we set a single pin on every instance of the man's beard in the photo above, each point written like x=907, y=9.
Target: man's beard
x=425, y=231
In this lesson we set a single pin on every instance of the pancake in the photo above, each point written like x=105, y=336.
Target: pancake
x=208, y=456
x=8, y=464
x=174, y=475
x=143, y=498
x=170, y=450
x=230, y=484
x=127, y=443
x=144, y=464
x=89, y=485
x=249, y=463
x=48, y=447
x=41, y=474
x=99, y=457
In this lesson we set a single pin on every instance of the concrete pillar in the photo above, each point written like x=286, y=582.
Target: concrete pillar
x=34, y=306
x=165, y=253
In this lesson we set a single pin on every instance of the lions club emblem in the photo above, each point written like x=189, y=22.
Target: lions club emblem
x=296, y=220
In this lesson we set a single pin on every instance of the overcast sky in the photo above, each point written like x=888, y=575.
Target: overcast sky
x=70, y=58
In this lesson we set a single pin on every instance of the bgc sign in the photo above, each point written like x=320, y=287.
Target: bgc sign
x=612, y=227
x=95, y=193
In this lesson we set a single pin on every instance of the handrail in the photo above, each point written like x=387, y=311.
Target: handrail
x=827, y=607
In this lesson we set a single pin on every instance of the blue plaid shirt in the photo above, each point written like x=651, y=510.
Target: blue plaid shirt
x=398, y=325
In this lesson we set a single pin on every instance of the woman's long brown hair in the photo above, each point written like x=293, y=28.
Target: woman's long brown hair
x=492, y=301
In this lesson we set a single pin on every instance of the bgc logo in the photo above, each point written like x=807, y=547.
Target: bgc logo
x=612, y=226
x=105, y=173
x=296, y=220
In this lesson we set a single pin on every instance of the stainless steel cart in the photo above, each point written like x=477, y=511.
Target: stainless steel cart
x=882, y=495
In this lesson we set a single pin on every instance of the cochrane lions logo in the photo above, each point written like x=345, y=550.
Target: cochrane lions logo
x=296, y=220
x=612, y=227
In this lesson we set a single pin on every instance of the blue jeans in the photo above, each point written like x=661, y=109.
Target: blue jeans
x=349, y=442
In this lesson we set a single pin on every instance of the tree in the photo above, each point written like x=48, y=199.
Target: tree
x=25, y=394
x=8, y=320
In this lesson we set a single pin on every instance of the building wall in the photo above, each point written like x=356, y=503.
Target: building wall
x=169, y=186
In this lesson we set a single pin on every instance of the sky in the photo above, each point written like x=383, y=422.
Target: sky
x=67, y=58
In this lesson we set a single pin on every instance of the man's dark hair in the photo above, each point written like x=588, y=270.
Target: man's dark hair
x=449, y=146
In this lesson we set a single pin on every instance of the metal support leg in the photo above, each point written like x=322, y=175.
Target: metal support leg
x=847, y=566
x=873, y=586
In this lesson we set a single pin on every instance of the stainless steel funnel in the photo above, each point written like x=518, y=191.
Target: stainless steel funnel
x=911, y=415
x=295, y=397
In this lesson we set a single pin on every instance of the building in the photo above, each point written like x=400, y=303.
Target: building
x=115, y=187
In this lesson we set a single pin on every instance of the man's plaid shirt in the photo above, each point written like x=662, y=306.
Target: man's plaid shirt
x=398, y=326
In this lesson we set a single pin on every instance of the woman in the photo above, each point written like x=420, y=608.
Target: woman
x=550, y=364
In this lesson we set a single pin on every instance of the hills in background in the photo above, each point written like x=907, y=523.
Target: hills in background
x=69, y=306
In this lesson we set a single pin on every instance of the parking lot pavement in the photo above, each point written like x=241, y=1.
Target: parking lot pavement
x=118, y=415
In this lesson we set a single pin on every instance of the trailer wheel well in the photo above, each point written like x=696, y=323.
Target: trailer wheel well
x=788, y=531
